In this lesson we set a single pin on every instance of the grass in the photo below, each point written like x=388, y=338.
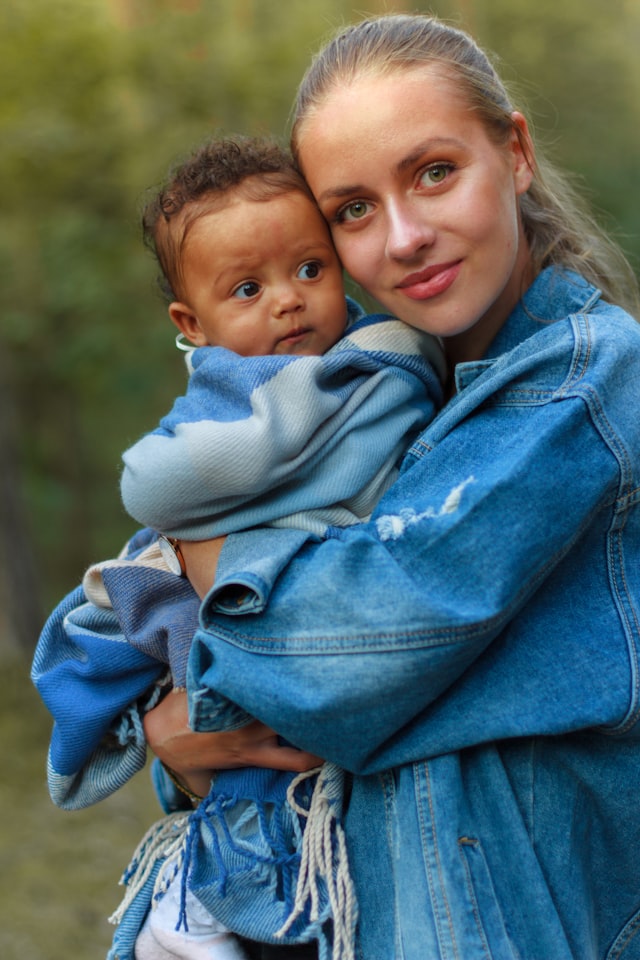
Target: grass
x=59, y=871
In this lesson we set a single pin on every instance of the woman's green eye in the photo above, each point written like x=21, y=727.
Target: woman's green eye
x=436, y=174
x=354, y=211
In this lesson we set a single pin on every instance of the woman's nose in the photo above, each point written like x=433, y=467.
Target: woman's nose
x=407, y=231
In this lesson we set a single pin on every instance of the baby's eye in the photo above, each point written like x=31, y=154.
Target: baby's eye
x=436, y=173
x=309, y=271
x=355, y=210
x=247, y=290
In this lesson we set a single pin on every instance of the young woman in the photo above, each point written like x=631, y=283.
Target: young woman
x=470, y=654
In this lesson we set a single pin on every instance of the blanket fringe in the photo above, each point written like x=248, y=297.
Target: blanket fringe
x=165, y=840
x=323, y=860
x=324, y=855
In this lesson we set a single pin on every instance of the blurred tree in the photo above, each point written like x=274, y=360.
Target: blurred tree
x=97, y=97
x=20, y=599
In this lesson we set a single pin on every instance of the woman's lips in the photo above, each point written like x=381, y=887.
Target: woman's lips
x=430, y=282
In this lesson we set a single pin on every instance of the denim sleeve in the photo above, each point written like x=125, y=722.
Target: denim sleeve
x=436, y=625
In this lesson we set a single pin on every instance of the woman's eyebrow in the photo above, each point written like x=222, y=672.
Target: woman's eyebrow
x=428, y=146
x=335, y=193
x=417, y=153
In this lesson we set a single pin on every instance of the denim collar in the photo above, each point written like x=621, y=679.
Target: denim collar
x=554, y=294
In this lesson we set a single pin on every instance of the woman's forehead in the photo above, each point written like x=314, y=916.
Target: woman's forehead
x=389, y=111
x=368, y=92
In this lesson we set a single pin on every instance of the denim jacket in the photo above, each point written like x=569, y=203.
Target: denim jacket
x=470, y=655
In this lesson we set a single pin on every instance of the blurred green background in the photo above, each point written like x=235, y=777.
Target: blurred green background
x=97, y=98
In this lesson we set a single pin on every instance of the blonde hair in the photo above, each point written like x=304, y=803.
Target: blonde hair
x=558, y=223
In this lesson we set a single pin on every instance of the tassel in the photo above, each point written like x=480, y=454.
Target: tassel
x=324, y=855
x=165, y=840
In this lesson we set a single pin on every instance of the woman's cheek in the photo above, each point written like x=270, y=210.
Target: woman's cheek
x=359, y=256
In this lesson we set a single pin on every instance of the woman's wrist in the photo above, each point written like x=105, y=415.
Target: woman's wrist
x=185, y=784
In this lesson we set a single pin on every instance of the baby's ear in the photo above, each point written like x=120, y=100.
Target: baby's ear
x=187, y=323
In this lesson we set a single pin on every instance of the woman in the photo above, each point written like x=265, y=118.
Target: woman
x=470, y=655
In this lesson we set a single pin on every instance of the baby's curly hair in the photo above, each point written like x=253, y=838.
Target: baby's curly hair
x=257, y=168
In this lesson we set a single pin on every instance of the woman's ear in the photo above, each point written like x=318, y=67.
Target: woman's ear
x=524, y=156
x=187, y=323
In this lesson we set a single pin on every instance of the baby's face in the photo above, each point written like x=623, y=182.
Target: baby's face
x=262, y=277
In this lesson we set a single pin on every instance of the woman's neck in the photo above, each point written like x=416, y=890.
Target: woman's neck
x=472, y=344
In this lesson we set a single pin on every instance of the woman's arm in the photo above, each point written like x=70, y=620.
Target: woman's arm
x=477, y=604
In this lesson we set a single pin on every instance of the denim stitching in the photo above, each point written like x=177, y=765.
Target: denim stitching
x=429, y=843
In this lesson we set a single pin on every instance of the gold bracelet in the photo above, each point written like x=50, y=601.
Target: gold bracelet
x=181, y=787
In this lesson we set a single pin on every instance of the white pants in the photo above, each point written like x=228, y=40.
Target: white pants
x=206, y=938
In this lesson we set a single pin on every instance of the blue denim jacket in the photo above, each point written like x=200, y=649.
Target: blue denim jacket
x=471, y=654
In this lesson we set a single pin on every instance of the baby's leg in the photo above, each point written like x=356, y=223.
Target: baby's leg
x=206, y=938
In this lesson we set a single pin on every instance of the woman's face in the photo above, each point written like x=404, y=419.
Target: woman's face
x=422, y=205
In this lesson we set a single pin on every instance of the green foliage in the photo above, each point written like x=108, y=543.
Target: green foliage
x=580, y=78
x=98, y=97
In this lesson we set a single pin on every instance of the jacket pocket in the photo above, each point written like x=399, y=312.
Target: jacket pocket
x=486, y=911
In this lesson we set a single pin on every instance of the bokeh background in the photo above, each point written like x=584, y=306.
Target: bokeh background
x=97, y=99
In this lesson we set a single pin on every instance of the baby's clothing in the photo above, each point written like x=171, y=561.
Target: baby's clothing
x=284, y=441
x=308, y=442
x=204, y=938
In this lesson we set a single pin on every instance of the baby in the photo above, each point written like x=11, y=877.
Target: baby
x=297, y=411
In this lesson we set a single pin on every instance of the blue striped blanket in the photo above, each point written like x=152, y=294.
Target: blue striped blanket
x=106, y=645
x=304, y=442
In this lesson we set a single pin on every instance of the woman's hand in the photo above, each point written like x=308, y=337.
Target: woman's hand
x=194, y=756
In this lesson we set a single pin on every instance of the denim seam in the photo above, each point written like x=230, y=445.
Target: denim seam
x=387, y=785
x=473, y=842
x=438, y=896
x=624, y=938
x=626, y=610
x=582, y=346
